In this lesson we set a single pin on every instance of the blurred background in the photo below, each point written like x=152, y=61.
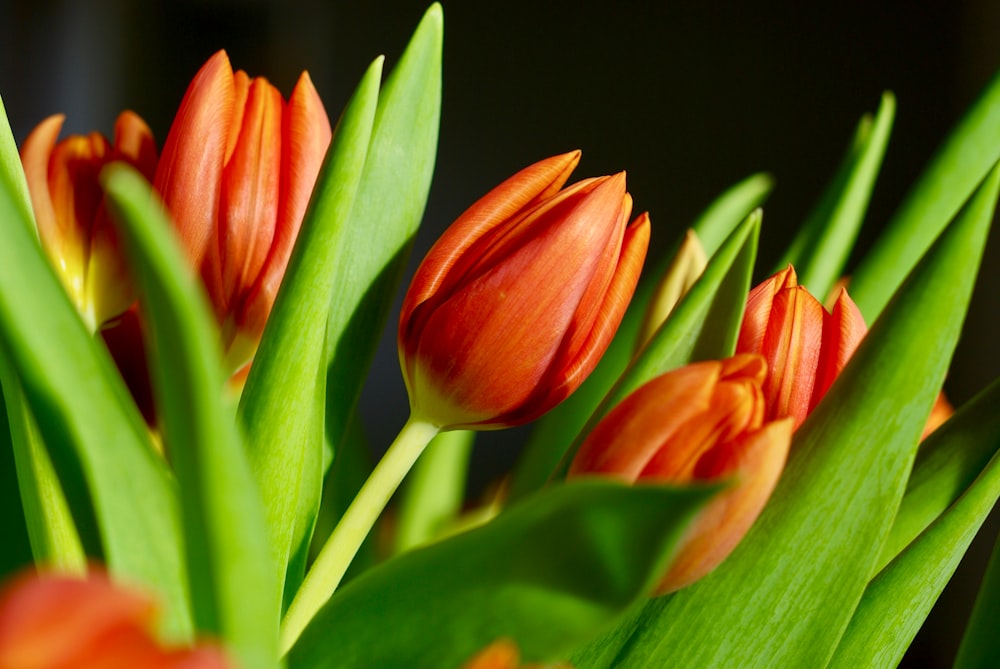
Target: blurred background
x=688, y=97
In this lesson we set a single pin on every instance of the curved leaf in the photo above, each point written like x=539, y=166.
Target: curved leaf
x=548, y=573
x=234, y=592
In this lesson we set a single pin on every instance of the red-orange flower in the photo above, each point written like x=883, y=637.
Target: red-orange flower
x=49, y=621
x=701, y=422
x=237, y=171
x=516, y=302
x=73, y=223
x=805, y=346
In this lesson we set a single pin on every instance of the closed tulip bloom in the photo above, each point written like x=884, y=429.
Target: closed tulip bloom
x=73, y=223
x=61, y=622
x=805, y=346
x=517, y=301
x=702, y=422
x=236, y=174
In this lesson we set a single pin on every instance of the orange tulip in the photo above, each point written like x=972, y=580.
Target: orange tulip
x=516, y=302
x=237, y=171
x=73, y=223
x=702, y=422
x=805, y=346
x=60, y=622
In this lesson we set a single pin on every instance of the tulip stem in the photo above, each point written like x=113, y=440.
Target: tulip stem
x=343, y=543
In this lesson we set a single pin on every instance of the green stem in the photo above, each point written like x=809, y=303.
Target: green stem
x=333, y=560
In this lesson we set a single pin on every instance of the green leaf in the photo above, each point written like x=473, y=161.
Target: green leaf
x=282, y=403
x=554, y=432
x=548, y=573
x=980, y=646
x=434, y=490
x=12, y=174
x=898, y=599
x=54, y=540
x=96, y=438
x=959, y=165
x=371, y=254
x=785, y=595
x=234, y=591
x=721, y=217
x=823, y=244
x=947, y=463
x=703, y=325
x=17, y=547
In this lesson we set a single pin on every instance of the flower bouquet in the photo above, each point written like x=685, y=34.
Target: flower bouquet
x=719, y=474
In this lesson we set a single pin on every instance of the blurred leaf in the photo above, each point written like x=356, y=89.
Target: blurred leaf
x=434, y=490
x=947, y=463
x=980, y=648
x=17, y=549
x=786, y=594
x=12, y=174
x=96, y=438
x=898, y=599
x=371, y=253
x=49, y=522
x=555, y=431
x=703, y=325
x=548, y=573
x=823, y=244
x=282, y=403
x=961, y=163
x=235, y=593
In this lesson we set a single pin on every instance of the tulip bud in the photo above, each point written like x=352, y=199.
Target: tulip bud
x=516, y=302
x=56, y=622
x=73, y=223
x=702, y=422
x=237, y=171
x=805, y=346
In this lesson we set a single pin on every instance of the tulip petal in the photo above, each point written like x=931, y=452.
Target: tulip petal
x=134, y=141
x=758, y=309
x=447, y=260
x=306, y=136
x=188, y=176
x=35, y=154
x=843, y=330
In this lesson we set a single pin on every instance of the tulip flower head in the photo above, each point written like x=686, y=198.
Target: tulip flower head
x=805, y=346
x=59, y=622
x=236, y=174
x=74, y=226
x=702, y=422
x=516, y=302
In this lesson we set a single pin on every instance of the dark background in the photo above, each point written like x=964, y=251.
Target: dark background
x=688, y=97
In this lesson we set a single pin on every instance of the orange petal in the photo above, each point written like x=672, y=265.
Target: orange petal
x=134, y=141
x=189, y=173
x=36, y=152
x=843, y=330
x=306, y=137
x=516, y=194
x=758, y=310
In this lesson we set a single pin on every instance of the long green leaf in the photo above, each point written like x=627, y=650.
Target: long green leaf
x=959, y=165
x=947, y=463
x=12, y=174
x=820, y=250
x=234, y=591
x=371, y=254
x=17, y=545
x=97, y=440
x=550, y=572
x=553, y=434
x=785, y=595
x=703, y=325
x=980, y=648
x=898, y=599
x=282, y=404
x=55, y=541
